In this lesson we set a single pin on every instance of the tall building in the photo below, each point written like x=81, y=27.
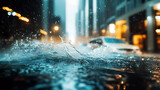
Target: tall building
x=91, y=18
x=101, y=16
x=60, y=11
x=49, y=21
x=137, y=21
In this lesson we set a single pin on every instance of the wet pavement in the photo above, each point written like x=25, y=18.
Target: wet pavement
x=70, y=74
x=37, y=66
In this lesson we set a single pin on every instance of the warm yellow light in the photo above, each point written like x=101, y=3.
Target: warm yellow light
x=43, y=32
x=24, y=19
x=158, y=31
x=121, y=22
x=7, y=9
x=158, y=13
x=56, y=28
x=18, y=14
x=122, y=82
x=103, y=31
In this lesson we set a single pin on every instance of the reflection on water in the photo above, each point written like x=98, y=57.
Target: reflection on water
x=62, y=66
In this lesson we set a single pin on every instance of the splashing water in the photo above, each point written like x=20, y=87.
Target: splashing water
x=34, y=49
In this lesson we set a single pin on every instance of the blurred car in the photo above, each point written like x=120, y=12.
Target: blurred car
x=116, y=45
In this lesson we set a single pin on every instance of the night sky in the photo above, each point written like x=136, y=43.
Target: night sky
x=12, y=26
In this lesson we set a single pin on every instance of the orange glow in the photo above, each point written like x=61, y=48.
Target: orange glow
x=7, y=9
x=24, y=19
x=121, y=22
x=158, y=22
x=56, y=28
x=138, y=40
x=18, y=14
x=43, y=32
x=158, y=13
x=122, y=82
x=121, y=29
x=145, y=23
x=158, y=31
x=103, y=31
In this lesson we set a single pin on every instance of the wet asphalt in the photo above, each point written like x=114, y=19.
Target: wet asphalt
x=50, y=73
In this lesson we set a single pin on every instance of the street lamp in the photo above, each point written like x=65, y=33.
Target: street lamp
x=56, y=28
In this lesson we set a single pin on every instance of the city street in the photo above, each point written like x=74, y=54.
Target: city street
x=79, y=44
x=63, y=66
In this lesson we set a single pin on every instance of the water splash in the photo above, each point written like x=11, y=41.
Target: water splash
x=35, y=49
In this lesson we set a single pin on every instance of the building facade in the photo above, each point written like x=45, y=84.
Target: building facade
x=137, y=21
x=49, y=21
x=91, y=18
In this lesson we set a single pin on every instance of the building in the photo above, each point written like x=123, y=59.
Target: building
x=83, y=21
x=137, y=21
x=91, y=18
x=49, y=21
x=60, y=11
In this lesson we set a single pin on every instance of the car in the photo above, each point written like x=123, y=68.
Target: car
x=116, y=45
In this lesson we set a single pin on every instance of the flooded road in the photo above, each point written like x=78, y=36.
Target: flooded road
x=60, y=74
x=67, y=68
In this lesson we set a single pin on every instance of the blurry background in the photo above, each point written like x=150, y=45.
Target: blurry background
x=135, y=21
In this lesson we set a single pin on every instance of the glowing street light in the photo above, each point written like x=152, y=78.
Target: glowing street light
x=24, y=19
x=43, y=32
x=7, y=9
x=56, y=28
x=18, y=15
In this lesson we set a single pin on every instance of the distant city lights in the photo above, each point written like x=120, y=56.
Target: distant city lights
x=9, y=13
x=7, y=9
x=112, y=28
x=56, y=28
x=18, y=15
x=14, y=13
x=158, y=6
x=157, y=17
x=157, y=30
x=24, y=19
x=43, y=32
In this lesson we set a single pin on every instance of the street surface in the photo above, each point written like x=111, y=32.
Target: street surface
x=62, y=66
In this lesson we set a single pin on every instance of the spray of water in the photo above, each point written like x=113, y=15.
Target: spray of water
x=35, y=49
